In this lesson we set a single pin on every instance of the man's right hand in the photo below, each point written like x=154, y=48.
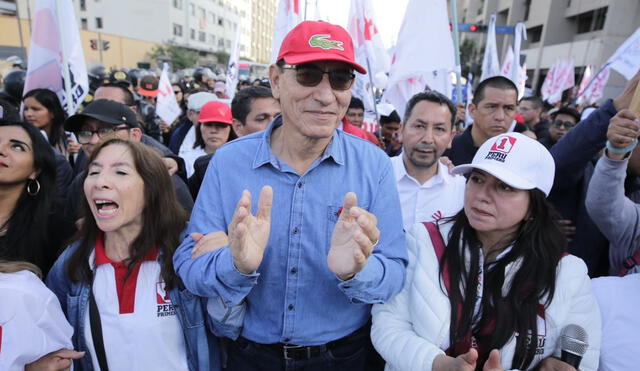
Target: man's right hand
x=463, y=362
x=249, y=234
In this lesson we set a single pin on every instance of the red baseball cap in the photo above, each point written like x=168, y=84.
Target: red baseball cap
x=313, y=41
x=216, y=111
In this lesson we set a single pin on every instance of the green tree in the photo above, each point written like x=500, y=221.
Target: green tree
x=181, y=57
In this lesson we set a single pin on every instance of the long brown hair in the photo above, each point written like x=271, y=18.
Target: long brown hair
x=17, y=266
x=162, y=217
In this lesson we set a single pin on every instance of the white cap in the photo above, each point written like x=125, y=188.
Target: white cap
x=517, y=160
x=197, y=100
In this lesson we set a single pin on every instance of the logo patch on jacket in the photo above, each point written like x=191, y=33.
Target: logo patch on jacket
x=165, y=308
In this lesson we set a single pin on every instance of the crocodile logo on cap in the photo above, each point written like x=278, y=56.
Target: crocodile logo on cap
x=322, y=41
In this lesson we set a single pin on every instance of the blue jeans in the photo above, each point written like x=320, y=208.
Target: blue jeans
x=244, y=355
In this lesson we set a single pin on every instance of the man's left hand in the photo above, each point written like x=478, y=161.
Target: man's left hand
x=170, y=164
x=353, y=239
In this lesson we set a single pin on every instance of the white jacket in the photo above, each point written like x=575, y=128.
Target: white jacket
x=413, y=328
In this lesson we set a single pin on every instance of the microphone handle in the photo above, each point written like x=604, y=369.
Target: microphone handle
x=571, y=359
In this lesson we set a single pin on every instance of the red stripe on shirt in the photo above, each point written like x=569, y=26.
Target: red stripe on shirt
x=0, y=339
x=125, y=282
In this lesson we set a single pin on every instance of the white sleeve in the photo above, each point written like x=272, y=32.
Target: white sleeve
x=392, y=330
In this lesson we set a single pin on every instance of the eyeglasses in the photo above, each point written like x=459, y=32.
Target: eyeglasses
x=567, y=124
x=310, y=75
x=84, y=136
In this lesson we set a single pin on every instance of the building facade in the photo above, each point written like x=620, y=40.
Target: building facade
x=587, y=31
x=263, y=18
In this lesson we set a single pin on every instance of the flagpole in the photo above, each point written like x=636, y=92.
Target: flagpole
x=373, y=95
x=456, y=47
x=65, y=60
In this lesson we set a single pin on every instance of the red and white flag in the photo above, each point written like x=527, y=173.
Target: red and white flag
x=55, y=35
x=559, y=78
x=369, y=50
x=594, y=91
x=424, y=46
x=287, y=18
x=167, y=107
x=507, y=71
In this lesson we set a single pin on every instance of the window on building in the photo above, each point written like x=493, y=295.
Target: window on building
x=84, y=24
x=527, y=9
x=220, y=21
x=220, y=43
x=591, y=21
x=227, y=43
x=177, y=30
x=202, y=37
x=212, y=17
x=192, y=34
x=534, y=34
x=201, y=12
x=83, y=5
x=177, y=4
x=192, y=10
x=212, y=39
x=98, y=22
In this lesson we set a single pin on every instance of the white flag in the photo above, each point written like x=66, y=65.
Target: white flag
x=508, y=65
x=586, y=78
x=232, y=67
x=167, y=107
x=369, y=49
x=490, y=64
x=595, y=89
x=559, y=78
x=626, y=59
x=288, y=17
x=425, y=30
x=55, y=28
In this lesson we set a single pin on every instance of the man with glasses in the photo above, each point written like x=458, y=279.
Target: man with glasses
x=531, y=110
x=322, y=241
x=493, y=109
x=562, y=121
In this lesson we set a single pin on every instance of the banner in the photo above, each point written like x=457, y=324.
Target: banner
x=425, y=29
x=559, y=78
x=167, y=107
x=55, y=46
x=369, y=50
x=594, y=91
x=626, y=59
x=232, y=67
x=490, y=64
x=287, y=18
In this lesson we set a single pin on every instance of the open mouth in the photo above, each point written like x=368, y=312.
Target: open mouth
x=105, y=207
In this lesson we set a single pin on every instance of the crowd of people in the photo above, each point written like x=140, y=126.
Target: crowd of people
x=272, y=232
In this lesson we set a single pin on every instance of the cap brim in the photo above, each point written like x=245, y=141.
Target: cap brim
x=74, y=122
x=222, y=121
x=314, y=57
x=500, y=172
x=148, y=93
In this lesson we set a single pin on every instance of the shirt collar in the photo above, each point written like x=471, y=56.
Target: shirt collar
x=442, y=175
x=265, y=155
x=101, y=255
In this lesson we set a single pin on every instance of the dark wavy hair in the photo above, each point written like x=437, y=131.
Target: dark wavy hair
x=163, y=219
x=50, y=101
x=538, y=244
x=27, y=238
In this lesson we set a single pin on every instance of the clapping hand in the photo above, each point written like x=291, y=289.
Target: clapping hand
x=353, y=239
x=249, y=234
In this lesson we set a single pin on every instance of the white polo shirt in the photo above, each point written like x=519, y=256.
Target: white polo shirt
x=441, y=196
x=619, y=300
x=140, y=328
x=32, y=324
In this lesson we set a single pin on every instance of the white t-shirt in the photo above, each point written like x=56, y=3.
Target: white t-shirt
x=190, y=159
x=187, y=142
x=619, y=300
x=32, y=324
x=140, y=328
x=439, y=197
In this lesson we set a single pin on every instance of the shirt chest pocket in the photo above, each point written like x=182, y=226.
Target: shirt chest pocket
x=333, y=214
x=191, y=309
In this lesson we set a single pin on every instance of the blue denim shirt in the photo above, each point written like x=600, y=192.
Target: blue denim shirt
x=203, y=352
x=293, y=297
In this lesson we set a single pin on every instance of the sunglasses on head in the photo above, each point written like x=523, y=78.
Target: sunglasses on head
x=567, y=124
x=311, y=75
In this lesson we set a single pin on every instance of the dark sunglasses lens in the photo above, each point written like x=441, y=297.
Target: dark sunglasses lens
x=309, y=76
x=341, y=80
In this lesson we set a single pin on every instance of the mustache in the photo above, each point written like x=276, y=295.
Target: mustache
x=424, y=147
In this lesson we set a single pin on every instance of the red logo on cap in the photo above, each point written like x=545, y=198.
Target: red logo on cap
x=503, y=144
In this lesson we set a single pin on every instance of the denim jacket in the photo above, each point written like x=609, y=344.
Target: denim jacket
x=203, y=350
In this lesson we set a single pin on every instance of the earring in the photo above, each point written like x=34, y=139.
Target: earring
x=30, y=185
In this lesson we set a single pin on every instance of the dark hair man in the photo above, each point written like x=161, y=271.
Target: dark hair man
x=307, y=269
x=355, y=112
x=493, y=109
x=252, y=109
x=427, y=191
x=390, y=130
x=531, y=109
x=563, y=120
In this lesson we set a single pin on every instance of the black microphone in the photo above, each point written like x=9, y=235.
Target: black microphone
x=573, y=344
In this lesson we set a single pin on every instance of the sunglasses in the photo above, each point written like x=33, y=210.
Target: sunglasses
x=310, y=75
x=567, y=124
